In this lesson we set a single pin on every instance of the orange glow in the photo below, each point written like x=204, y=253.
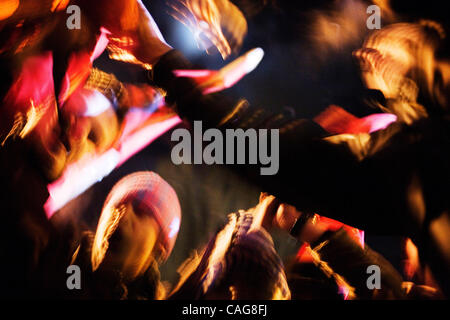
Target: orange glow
x=138, y=254
x=59, y=5
x=411, y=264
x=334, y=225
x=129, y=18
x=7, y=8
x=120, y=50
x=108, y=223
x=386, y=10
x=132, y=211
x=33, y=117
x=31, y=97
x=134, y=260
x=221, y=245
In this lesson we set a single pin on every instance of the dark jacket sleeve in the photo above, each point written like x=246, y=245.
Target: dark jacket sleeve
x=348, y=259
x=381, y=192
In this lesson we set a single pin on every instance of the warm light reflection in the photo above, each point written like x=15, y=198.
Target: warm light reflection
x=207, y=20
x=120, y=49
x=335, y=29
x=211, y=81
x=59, y=5
x=399, y=60
x=7, y=8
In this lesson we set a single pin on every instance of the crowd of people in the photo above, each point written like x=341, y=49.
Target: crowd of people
x=386, y=173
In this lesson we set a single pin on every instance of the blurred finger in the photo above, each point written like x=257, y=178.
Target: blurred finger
x=285, y=217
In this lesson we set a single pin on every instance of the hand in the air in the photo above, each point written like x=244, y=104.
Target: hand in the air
x=211, y=81
x=213, y=22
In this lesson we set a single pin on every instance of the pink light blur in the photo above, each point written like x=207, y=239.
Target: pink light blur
x=101, y=44
x=377, y=121
x=194, y=73
x=337, y=120
x=80, y=176
x=215, y=81
x=344, y=291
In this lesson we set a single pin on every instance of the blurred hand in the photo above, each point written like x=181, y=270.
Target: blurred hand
x=213, y=22
x=133, y=34
x=285, y=218
x=264, y=212
x=211, y=81
x=151, y=43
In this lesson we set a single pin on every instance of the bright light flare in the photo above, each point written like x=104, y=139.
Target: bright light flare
x=253, y=58
x=208, y=19
x=59, y=5
x=213, y=81
x=174, y=227
x=336, y=120
x=7, y=8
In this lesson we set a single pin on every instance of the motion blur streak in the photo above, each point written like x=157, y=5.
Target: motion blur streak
x=214, y=81
x=108, y=223
x=80, y=176
x=399, y=60
x=120, y=49
x=59, y=5
x=210, y=19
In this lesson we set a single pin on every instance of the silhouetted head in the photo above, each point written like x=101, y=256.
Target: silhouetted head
x=138, y=225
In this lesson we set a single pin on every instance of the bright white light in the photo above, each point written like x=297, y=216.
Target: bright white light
x=203, y=25
x=96, y=104
x=174, y=227
x=253, y=58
